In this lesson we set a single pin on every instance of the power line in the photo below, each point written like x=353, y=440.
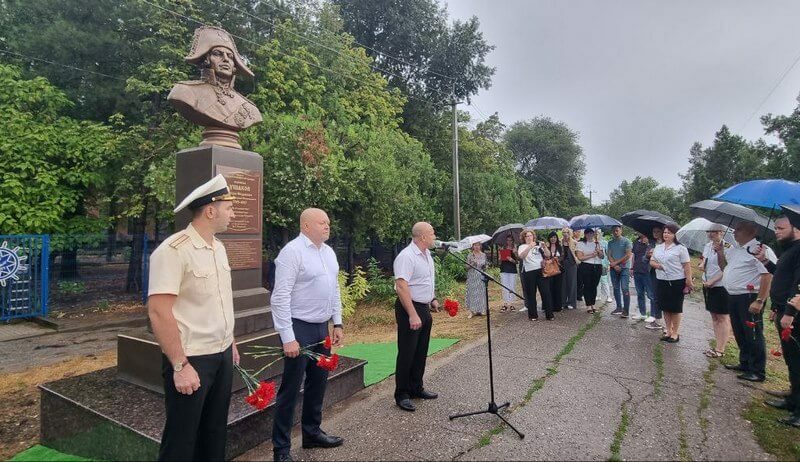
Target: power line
x=775, y=87
x=382, y=53
x=66, y=66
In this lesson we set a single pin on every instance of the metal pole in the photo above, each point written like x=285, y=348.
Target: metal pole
x=456, y=193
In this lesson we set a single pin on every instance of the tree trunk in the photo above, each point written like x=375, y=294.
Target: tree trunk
x=133, y=282
x=111, y=233
x=69, y=265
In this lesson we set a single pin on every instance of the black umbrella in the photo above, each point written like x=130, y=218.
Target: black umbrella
x=629, y=217
x=793, y=214
x=645, y=224
x=513, y=229
x=730, y=215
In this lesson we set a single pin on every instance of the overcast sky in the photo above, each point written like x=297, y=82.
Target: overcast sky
x=639, y=80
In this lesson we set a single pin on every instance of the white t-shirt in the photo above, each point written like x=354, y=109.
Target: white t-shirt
x=743, y=269
x=672, y=259
x=711, y=265
x=586, y=248
x=533, y=260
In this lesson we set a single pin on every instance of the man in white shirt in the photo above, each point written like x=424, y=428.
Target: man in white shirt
x=415, y=283
x=305, y=298
x=747, y=282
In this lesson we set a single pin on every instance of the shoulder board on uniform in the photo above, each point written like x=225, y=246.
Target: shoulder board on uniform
x=179, y=240
x=727, y=245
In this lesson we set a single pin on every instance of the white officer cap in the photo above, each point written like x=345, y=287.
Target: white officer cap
x=214, y=190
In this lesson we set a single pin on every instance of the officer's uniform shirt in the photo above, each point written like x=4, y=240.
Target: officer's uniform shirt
x=306, y=286
x=199, y=274
x=743, y=269
x=415, y=266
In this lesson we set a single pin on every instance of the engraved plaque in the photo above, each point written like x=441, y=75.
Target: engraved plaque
x=246, y=185
x=243, y=253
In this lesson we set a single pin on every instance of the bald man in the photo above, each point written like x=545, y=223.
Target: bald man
x=415, y=284
x=305, y=299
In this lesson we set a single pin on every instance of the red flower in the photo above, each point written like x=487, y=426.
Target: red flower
x=328, y=342
x=775, y=352
x=262, y=396
x=750, y=324
x=786, y=334
x=751, y=287
x=328, y=363
x=451, y=306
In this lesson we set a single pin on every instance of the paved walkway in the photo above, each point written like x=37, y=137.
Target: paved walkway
x=20, y=330
x=615, y=391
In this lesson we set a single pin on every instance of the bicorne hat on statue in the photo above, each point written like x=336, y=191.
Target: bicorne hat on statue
x=213, y=190
x=208, y=37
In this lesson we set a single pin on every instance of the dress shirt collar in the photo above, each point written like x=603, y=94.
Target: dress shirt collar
x=417, y=250
x=308, y=242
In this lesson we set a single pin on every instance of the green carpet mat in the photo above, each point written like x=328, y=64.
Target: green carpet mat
x=41, y=453
x=381, y=357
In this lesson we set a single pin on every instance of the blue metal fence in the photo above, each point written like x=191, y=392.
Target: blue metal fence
x=24, y=273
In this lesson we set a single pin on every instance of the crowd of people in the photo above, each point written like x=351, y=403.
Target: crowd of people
x=578, y=265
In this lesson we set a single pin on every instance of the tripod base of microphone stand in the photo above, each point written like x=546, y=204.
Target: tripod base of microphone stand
x=493, y=409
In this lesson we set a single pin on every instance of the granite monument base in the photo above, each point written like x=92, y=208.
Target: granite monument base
x=101, y=417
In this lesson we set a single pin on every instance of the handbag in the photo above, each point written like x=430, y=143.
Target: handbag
x=551, y=267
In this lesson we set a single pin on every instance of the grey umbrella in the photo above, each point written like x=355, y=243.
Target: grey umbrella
x=730, y=215
x=629, y=217
x=513, y=229
x=547, y=223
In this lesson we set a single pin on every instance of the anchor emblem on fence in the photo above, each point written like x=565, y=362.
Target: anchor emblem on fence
x=11, y=263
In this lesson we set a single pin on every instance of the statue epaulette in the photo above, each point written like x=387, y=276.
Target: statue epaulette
x=179, y=241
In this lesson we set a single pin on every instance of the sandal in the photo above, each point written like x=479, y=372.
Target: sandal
x=504, y=308
x=712, y=353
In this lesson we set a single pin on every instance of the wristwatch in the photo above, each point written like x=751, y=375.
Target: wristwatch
x=337, y=325
x=179, y=367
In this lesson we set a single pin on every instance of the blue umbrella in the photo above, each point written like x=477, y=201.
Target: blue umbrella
x=546, y=223
x=770, y=194
x=593, y=221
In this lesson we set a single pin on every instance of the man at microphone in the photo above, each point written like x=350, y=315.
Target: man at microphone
x=415, y=283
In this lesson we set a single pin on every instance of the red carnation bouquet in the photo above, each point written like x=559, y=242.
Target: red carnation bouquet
x=259, y=394
x=329, y=363
x=451, y=306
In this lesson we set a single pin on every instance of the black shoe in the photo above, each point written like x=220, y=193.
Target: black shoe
x=750, y=377
x=283, y=457
x=550, y=318
x=322, y=440
x=664, y=338
x=617, y=312
x=406, y=405
x=673, y=340
x=734, y=367
x=793, y=420
x=779, y=393
x=425, y=394
x=778, y=404
x=557, y=310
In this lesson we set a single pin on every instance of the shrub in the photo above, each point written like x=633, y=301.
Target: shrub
x=381, y=286
x=353, y=292
x=71, y=287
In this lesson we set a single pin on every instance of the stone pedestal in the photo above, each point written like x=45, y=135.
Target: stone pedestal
x=139, y=357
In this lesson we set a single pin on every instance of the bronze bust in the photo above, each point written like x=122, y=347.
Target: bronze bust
x=212, y=101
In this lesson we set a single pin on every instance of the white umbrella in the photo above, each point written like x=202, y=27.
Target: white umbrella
x=693, y=234
x=467, y=242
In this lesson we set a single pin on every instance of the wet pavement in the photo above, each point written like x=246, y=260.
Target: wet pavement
x=615, y=391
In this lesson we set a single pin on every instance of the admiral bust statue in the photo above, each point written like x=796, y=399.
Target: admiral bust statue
x=212, y=101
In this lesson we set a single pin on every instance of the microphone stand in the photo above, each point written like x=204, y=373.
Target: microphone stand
x=493, y=408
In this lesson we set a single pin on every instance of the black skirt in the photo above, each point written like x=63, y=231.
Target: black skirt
x=670, y=295
x=716, y=300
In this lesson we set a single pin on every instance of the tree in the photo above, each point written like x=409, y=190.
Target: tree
x=52, y=165
x=783, y=160
x=549, y=157
x=645, y=193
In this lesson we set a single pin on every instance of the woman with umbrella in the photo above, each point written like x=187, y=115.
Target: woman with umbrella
x=714, y=293
x=475, y=298
x=508, y=272
x=674, y=275
x=590, y=254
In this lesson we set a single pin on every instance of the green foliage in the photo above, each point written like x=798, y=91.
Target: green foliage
x=351, y=293
x=71, y=287
x=381, y=286
x=51, y=164
x=645, y=193
x=549, y=157
x=449, y=272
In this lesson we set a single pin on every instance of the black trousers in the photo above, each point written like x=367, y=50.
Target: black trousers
x=556, y=291
x=579, y=282
x=316, y=379
x=589, y=274
x=531, y=281
x=412, y=350
x=791, y=354
x=752, y=346
x=196, y=426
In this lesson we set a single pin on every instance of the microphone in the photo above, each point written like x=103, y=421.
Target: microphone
x=445, y=245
